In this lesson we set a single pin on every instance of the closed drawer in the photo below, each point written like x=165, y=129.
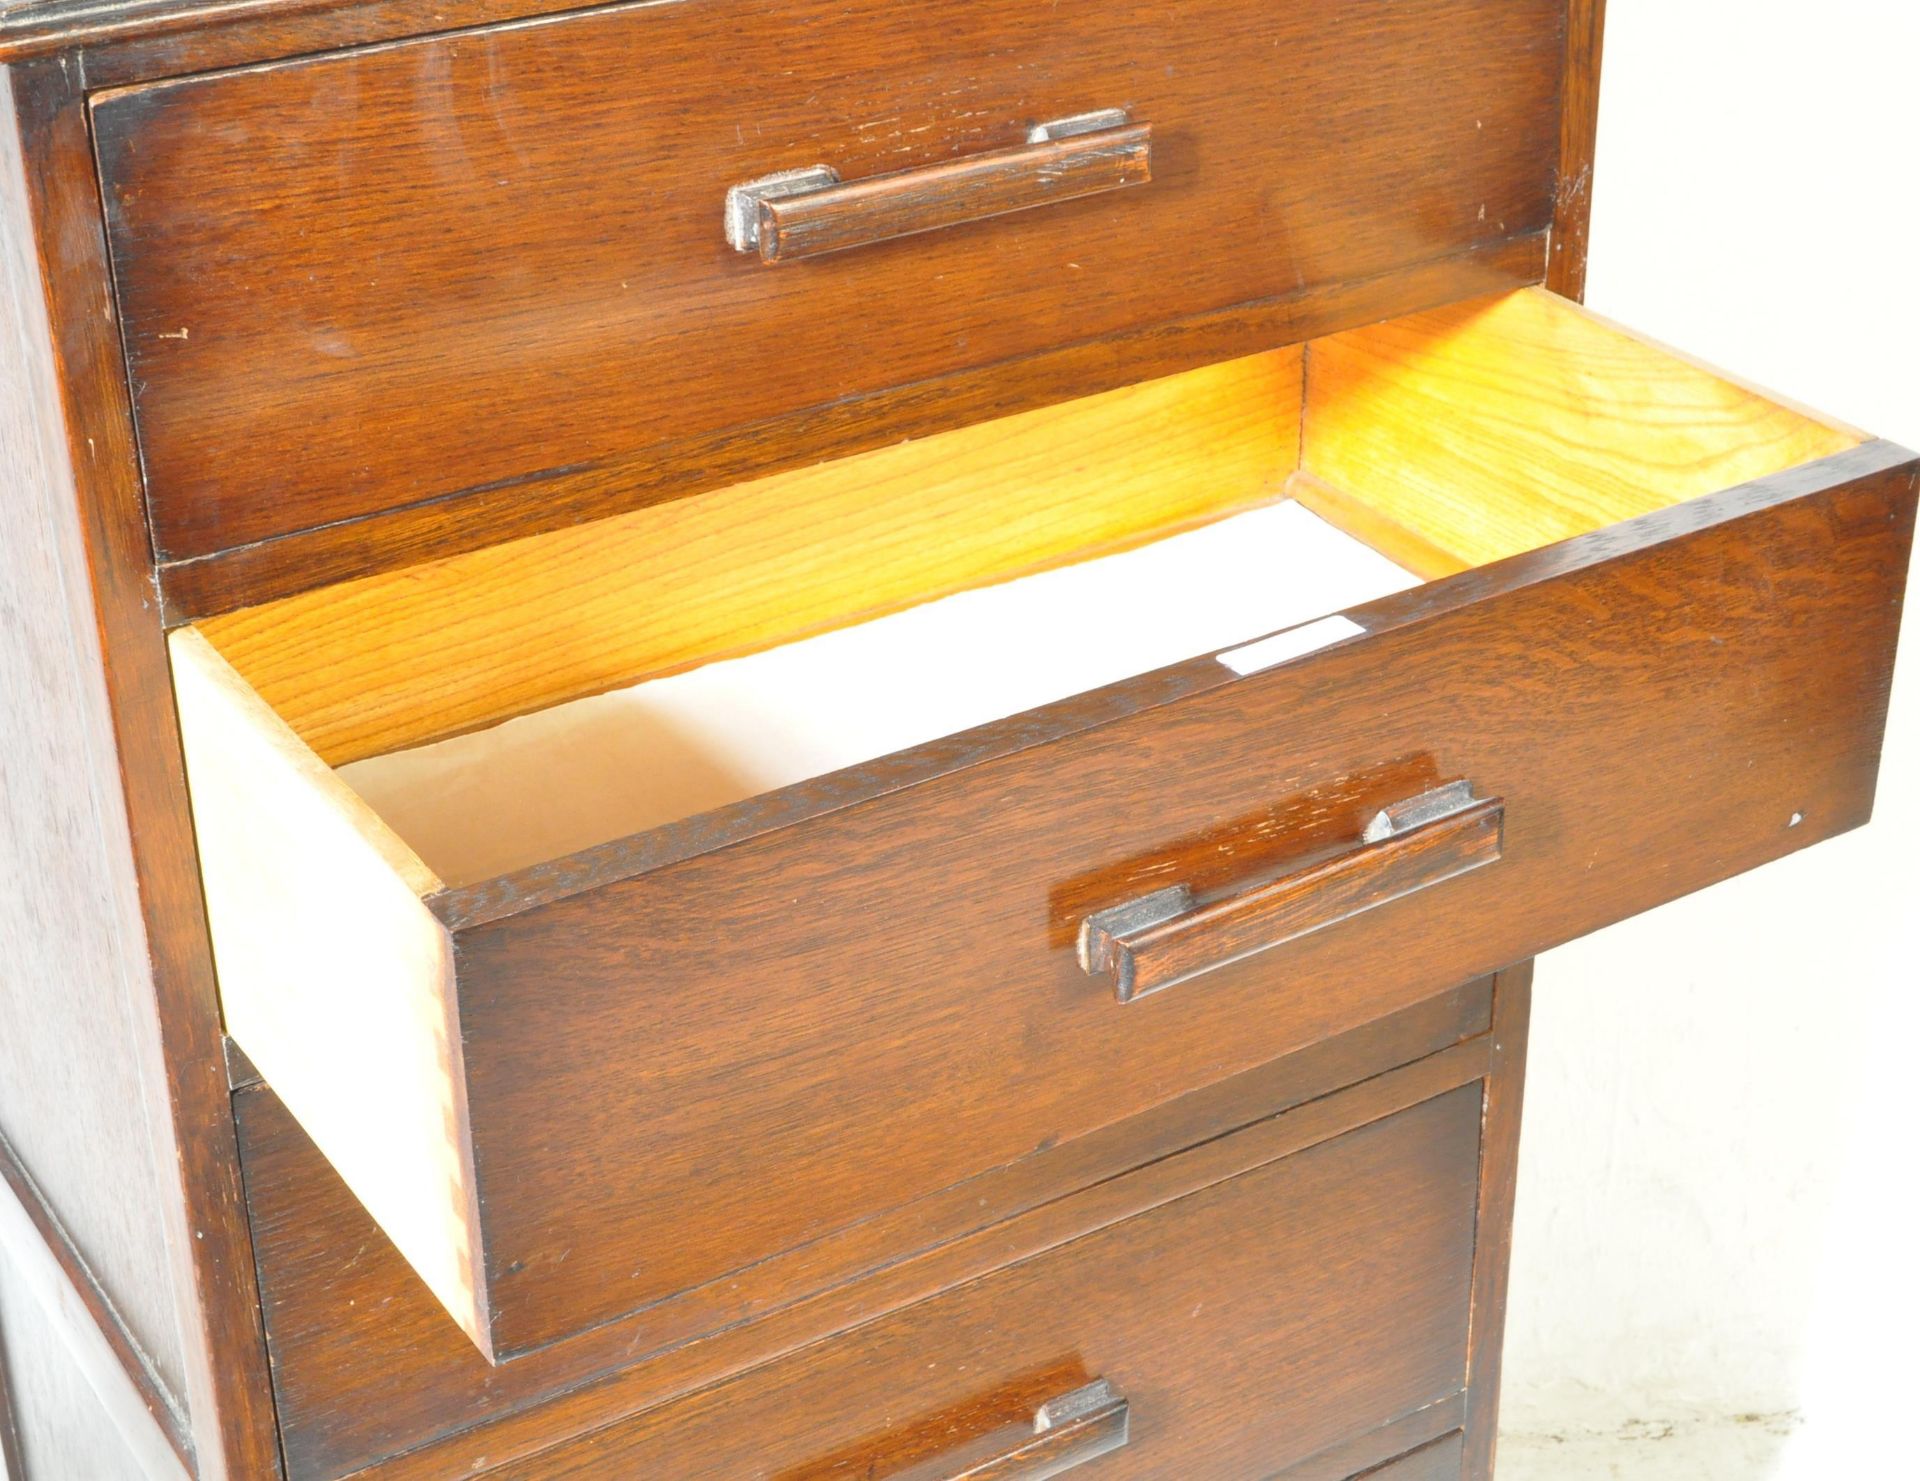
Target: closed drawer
x=1439, y=1460
x=370, y=1375
x=599, y=1004
x=1318, y=1303
x=495, y=259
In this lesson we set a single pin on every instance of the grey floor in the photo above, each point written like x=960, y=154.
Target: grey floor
x=1750, y=1448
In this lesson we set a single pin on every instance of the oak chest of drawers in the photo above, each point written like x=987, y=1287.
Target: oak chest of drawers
x=764, y=738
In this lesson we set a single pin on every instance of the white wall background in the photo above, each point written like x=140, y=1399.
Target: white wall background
x=1714, y=1267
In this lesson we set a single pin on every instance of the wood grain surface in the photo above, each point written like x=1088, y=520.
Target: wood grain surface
x=431, y=441
x=1439, y=1460
x=34, y=28
x=118, y=1105
x=71, y=959
x=164, y=34
x=1490, y=428
x=956, y=192
x=496, y=258
x=1499, y=1178
x=1251, y=1324
x=414, y=655
x=368, y=1365
x=1592, y=425
x=394, y=539
x=1019, y=830
x=1437, y=1425
x=1579, y=132
x=1747, y=637
x=159, y=38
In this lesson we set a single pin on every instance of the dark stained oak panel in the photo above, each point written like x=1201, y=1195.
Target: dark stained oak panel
x=1431, y=1433
x=1579, y=131
x=142, y=38
x=31, y=28
x=367, y=1365
x=74, y=1042
x=1499, y=1172
x=1439, y=1461
x=365, y=281
x=1250, y=1325
x=916, y=1011
x=683, y=467
x=371, y=1376
x=110, y=1083
x=687, y=1051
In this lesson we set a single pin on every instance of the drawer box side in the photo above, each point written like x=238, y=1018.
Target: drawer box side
x=1455, y=438
x=335, y=979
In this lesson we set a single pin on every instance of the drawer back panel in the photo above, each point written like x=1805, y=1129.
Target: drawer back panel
x=367, y=281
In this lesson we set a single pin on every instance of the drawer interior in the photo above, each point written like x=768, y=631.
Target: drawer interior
x=584, y=772
x=525, y=702
x=435, y=806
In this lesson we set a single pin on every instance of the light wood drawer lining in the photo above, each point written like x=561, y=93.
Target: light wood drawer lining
x=1046, y=805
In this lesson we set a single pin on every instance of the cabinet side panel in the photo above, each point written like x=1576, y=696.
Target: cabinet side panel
x=71, y=1102
x=336, y=981
x=68, y=1407
x=60, y=1429
x=1493, y=1237
x=113, y=1089
x=12, y=1468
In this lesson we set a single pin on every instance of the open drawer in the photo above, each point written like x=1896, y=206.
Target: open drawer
x=619, y=907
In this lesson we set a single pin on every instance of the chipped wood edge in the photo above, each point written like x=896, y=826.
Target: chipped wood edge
x=1567, y=240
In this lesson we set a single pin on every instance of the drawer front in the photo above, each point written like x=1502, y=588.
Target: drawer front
x=1244, y=1328
x=368, y=1367
x=793, y=1029
x=1440, y=1461
x=364, y=281
x=633, y=1079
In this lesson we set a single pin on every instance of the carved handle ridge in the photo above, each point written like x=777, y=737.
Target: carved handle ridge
x=1169, y=936
x=810, y=212
x=1067, y=1432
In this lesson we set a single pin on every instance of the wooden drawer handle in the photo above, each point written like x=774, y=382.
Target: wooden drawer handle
x=806, y=213
x=1066, y=1432
x=1168, y=936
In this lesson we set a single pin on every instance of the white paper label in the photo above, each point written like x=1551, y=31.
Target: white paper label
x=1295, y=642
